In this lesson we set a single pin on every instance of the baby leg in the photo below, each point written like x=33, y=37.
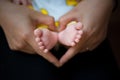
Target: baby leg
x=71, y=35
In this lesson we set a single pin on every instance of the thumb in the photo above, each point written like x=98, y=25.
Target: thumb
x=39, y=18
x=65, y=19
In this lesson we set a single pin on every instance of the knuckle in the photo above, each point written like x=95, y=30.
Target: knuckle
x=16, y=47
x=12, y=47
x=50, y=21
x=25, y=35
x=62, y=19
x=19, y=46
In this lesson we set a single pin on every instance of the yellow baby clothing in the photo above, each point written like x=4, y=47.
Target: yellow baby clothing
x=55, y=8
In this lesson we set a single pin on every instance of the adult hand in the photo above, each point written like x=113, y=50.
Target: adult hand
x=94, y=15
x=18, y=23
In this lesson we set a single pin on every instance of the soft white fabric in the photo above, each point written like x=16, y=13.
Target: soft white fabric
x=55, y=8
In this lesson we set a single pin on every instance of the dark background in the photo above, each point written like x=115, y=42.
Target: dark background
x=114, y=33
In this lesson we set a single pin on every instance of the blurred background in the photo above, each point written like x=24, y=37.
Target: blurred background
x=114, y=33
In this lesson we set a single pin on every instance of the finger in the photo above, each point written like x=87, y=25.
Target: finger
x=68, y=55
x=40, y=18
x=29, y=2
x=23, y=2
x=28, y=49
x=21, y=46
x=95, y=44
x=74, y=50
x=93, y=41
x=48, y=56
x=86, y=44
x=16, y=1
x=89, y=47
x=65, y=19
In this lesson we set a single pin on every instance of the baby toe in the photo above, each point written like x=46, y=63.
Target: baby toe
x=80, y=32
x=37, y=39
x=37, y=32
x=41, y=47
x=77, y=40
x=45, y=50
x=72, y=43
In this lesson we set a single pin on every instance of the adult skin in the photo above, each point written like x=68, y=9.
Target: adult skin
x=94, y=15
x=18, y=23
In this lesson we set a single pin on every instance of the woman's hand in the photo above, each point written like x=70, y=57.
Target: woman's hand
x=94, y=15
x=18, y=23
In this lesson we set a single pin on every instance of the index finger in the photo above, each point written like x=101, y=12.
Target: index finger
x=48, y=56
x=68, y=55
x=72, y=51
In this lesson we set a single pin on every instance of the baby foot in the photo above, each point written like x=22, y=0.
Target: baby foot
x=46, y=39
x=71, y=35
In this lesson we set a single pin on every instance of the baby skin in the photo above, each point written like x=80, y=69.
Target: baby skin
x=69, y=37
x=47, y=39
